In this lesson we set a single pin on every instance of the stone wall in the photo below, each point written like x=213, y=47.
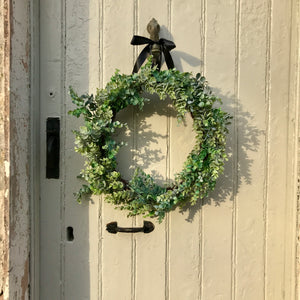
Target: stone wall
x=15, y=150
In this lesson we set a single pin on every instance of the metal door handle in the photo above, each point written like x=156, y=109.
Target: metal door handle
x=113, y=228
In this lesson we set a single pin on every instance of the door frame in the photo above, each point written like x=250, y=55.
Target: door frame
x=35, y=149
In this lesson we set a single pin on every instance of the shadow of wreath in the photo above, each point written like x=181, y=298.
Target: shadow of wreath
x=243, y=137
x=141, y=137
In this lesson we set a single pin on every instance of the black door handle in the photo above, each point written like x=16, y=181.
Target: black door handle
x=113, y=228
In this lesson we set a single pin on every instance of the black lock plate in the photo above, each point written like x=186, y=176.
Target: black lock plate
x=53, y=147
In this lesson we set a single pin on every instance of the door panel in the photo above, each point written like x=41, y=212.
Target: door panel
x=229, y=246
x=51, y=93
x=81, y=256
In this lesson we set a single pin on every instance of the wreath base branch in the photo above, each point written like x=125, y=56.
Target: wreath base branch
x=141, y=195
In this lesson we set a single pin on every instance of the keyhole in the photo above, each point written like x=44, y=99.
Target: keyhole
x=51, y=93
x=70, y=234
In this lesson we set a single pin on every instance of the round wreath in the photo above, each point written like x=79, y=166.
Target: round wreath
x=141, y=195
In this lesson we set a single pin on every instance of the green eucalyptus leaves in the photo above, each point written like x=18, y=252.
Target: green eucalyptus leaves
x=141, y=195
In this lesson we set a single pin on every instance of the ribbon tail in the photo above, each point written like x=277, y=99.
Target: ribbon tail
x=168, y=58
x=141, y=58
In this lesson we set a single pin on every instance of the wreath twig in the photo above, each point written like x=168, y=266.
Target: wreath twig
x=141, y=195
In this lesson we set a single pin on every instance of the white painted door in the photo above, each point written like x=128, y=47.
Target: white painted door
x=238, y=244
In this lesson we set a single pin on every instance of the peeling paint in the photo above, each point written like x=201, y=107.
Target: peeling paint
x=6, y=165
x=14, y=143
x=4, y=144
x=25, y=280
x=25, y=65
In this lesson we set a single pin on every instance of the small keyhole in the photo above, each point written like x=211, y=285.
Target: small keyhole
x=70, y=234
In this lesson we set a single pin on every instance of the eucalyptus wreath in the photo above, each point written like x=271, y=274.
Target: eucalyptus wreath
x=140, y=194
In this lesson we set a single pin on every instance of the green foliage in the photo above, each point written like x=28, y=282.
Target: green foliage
x=141, y=195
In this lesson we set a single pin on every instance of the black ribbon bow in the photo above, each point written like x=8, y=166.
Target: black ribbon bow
x=165, y=46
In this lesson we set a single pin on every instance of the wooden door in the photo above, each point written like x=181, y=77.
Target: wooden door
x=238, y=243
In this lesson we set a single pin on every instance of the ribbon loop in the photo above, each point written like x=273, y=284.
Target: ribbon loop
x=140, y=40
x=165, y=47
